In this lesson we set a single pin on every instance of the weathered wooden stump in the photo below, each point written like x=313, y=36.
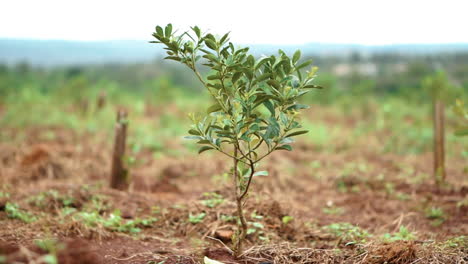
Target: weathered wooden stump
x=439, y=142
x=119, y=173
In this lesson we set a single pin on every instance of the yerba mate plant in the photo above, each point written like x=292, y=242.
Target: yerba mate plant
x=256, y=103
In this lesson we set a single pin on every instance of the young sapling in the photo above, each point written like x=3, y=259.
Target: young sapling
x=256, y=109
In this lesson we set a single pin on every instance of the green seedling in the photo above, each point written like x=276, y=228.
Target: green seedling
x=13, y=211
x=195, y=219
x=114, y=222
x=347, y=232
x=228, y=218
x=287, y=219
x=46, y=198
x=333, y=210
x=213, y=200
x=255, y=110
x=456, y=242
x=402, y=234
x=435, y=214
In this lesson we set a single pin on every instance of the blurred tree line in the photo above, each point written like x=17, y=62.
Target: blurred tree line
x=356, y=76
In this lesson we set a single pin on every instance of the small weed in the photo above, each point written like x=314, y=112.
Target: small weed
x=213, y=199
x=287, y=219
x=254, y=215
x=227, y=218
x=114, y=222
x=437, y=216
x=195, y=219
x=402, y=234
x=462, y=203
x=99, y=203
x=347, y=232
x=402, y=196
x=333, y=210
x=49, y=245
x=456, y=242
x=316, y=164
x=67, y=211
x=50, y=259
x=44, y=199
x=4, y=195
x=256, y=227
x=389, y=188
x=13, y=211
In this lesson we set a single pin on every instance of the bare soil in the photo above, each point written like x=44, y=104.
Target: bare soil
x=359, y=185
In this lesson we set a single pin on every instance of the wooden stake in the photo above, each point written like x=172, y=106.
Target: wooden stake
x=439, y=142
x=101, y=100
x=119, y=174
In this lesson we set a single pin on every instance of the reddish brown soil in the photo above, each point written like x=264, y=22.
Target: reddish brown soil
x=375, y=191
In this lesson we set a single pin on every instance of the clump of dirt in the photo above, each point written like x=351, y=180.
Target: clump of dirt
x=37, y=154
x=272, y=209
x=75, y=251
x=220, y=254
x=164, y=185
x=399, y=252
x=41, y=163
x=7, y=248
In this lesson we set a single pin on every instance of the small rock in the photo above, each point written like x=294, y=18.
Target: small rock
x=224, y=235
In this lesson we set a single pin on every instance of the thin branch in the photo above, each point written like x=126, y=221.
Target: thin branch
x=252, y=172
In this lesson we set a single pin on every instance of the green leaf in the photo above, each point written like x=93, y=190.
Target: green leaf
x=224, y=38
x=211, y=44
x=197, y=31
x=213, y=108
x=296, y=56
x=261, y=62
x=287, y=140
x=274, y=83
x=194, y=132
x=304, y=64
x=214, y=77
x=172, y=58
x=204, y=148
x=297, y=133
x=193, y=137
x=270, y=107
x=159, y=31
x=236, y=76
x=263, y=77
x=261, y=173
x=284, y=147
x=168, y=30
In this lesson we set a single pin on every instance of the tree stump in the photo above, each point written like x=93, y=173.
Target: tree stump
x=119, y=173
x=439, y=142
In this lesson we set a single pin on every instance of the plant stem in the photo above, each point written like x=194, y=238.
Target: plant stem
x=242, y=223
x=252, y=172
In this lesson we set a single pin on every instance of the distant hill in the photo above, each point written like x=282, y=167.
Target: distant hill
x=61, y=52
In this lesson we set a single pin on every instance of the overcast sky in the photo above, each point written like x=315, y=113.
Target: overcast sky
x=250, y=21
